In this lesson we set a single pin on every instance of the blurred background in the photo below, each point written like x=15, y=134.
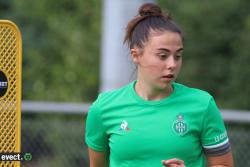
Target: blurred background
x=73, y=49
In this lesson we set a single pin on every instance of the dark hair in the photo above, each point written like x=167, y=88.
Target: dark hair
x=150, y=17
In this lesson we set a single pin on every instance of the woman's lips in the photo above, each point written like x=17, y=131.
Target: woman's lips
x=169, y=76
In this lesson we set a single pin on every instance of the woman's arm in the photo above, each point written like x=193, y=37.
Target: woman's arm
x=225, y=160
x=98, y=159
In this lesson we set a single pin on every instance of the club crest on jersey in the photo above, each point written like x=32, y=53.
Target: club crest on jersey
x=180, y=126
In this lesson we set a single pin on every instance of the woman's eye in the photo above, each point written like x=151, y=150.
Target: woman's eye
x=178, y=56
x=163, y=56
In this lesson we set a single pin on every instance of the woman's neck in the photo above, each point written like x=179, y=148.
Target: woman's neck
x=148, y=92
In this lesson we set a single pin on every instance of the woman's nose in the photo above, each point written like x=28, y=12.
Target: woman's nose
x=170, y=62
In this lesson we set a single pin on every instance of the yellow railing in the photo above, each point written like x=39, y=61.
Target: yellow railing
x=10, y=90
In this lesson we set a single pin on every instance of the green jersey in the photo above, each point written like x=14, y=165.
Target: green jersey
x=139, y=133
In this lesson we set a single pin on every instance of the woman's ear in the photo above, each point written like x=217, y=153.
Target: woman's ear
x=134, y=52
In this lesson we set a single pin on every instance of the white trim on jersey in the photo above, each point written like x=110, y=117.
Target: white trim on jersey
x=216, y=145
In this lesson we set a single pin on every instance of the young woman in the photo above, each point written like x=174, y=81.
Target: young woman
x=154, y=121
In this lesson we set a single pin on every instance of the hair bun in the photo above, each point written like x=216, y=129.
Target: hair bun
x=150, y=9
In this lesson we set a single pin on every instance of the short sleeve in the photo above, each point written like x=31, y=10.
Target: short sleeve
x=214, y=136
x=95, y=135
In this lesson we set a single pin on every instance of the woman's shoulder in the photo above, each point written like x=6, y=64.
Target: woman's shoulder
x=112, y=96
x=115, y=92
x=192, y=92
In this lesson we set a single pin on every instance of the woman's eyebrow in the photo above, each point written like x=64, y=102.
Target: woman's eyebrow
x=167, y=50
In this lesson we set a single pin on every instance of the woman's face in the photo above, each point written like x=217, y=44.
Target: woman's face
x=159, y=62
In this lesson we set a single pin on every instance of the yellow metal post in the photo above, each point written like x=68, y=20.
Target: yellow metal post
x=10, y=90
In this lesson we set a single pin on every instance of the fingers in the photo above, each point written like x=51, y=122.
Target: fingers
x=173, y=163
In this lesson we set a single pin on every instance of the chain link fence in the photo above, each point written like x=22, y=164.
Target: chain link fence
x=54, y=140
x=57, y=140
x=239, y=135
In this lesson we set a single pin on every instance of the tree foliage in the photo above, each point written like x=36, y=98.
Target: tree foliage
x=61, y=41
x=216, y=48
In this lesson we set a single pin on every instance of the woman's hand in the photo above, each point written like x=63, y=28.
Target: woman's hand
x=173, y=163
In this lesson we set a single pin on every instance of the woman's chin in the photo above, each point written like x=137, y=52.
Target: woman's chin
x=164, y=85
